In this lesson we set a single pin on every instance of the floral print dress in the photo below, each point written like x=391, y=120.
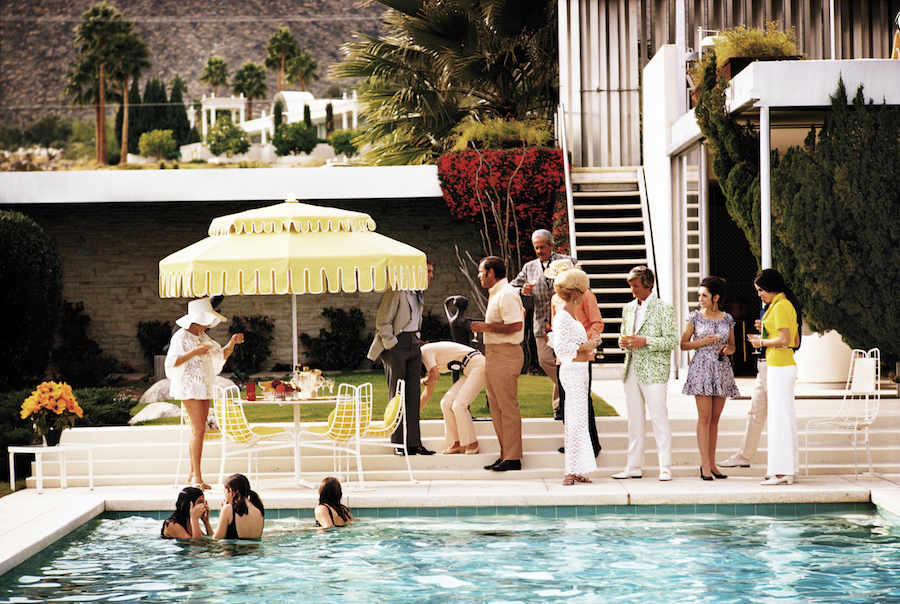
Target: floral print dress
x=709, y=375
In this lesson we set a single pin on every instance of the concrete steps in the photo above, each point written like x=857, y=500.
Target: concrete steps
x=148, y=455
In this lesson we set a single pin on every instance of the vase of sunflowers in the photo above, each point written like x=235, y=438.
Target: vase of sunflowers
x=52, y=408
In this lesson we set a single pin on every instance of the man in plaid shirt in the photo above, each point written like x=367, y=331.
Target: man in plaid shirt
x=531, y=282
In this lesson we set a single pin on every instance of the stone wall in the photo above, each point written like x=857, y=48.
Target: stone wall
x=110, y=254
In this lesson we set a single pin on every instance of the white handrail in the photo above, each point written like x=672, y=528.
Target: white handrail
x=570, y=209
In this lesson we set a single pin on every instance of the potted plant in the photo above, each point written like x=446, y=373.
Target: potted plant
x=738, y=47
x=52, y=408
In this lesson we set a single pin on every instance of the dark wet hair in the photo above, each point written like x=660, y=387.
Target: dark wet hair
x=330, y=494
x=240, y=486
x=771, y=281
x=495, y=264
x=715, y=286
x=182, y=513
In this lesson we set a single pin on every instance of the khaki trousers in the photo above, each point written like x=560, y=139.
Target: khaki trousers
x=756, y=418
x=503, y=364
x=547, y=361
x=458, y=425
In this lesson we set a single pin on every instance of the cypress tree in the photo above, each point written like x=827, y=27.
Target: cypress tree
x=277, y=115
x=156, y=114
x=135, y=115
x=307, y=119
x=178, y=119
x=329, y=118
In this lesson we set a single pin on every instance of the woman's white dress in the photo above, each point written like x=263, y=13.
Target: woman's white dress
x=196, y=377
x=567, y=336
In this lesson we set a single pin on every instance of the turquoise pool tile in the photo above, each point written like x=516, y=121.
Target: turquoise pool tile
x=467, y=511
x=725, y=509
x=448, y=512
x=365, y=512
x=626, y=509
x=665, y=509
x=531, y=510
x=546, y=511
x=605, y=509
x=566, y=511
x=685, y=509
x=745, y=509
x=585, y=511
x=765, y=509
x=785, y=510
x=805, y=509
x=503, y=510
x=388, y=512
x=705, y=508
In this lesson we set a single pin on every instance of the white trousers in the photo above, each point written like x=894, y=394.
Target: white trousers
x=458, y=426
x=653, y=396
x=756, y=419
x=782, y=425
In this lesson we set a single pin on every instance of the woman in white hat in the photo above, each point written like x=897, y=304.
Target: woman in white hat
x=192, y=363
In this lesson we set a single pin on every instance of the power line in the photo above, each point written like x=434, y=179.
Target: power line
x=179, y=19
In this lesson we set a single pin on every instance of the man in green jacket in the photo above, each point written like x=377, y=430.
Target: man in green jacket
x=648, y=336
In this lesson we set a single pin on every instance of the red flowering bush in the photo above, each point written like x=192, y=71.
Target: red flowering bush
x=561, y=225
x=530, y=177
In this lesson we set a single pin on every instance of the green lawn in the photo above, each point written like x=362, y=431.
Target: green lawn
x=534, y=401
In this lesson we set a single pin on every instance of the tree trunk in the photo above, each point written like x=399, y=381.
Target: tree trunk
x=281, y=74
x=123, y=153
x=215, y=91
x=96, y=126
x=249, y=109
x=101, y=119
x=303, y=83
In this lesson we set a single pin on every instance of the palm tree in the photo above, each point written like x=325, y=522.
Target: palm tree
x=282, y=47
x=96, y=37
x=250, y=80
x=215, y=74
x=301, y=69
x=129, y=58
x=442, y=62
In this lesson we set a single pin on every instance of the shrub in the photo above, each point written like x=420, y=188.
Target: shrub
x=257, y=347
x=30, y=299
x=277, y=114
x=225, y=137
x=329, y=118
x=79, y=360
x=294, y=138
x=51, y=131
x=344, y=346
x=753, y=42
x=307, y=119
x=498, y=133
x=154, y=336
x=11, y=138
x=159, y=144
x=342, y=142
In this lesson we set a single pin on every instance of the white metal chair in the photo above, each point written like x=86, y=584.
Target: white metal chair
x=341, y=434
x=859, y=406
x=379, y=433
x=238, y=437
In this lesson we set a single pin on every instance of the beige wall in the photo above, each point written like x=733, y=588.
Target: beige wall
x=110, y=254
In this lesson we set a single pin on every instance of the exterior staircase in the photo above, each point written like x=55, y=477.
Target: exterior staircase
x=611, y=236
x=147, y=455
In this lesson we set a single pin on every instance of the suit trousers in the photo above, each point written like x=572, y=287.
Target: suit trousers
x=404, y=362
x=756, y=418
x=503, y=364
x=592, y=421
x=782, y=421
x=653, y=396
x=547, y=361
x=458, y=425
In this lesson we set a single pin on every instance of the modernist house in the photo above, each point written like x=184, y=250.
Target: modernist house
x=642, y=187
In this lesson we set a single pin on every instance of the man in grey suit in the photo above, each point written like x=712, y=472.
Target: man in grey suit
x=397, y=344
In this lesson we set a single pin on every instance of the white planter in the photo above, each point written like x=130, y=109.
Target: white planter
x=822, y=358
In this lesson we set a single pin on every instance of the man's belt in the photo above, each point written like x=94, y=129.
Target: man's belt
x=469, y=356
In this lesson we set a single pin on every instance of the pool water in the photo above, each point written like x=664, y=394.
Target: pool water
x=846, y=556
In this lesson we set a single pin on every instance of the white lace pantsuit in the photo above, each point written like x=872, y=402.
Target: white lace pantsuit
x=782, y=421
x=567, y=335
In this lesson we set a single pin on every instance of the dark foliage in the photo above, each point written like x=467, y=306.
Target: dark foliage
x=249, y=357
x=344, y=346
x=177, y=116
x=307, y=119
x=79, y=360
x=154, y=337
x=11, y=138
x=134, y=101
x=434, y=328
x=277, y=114
x=51, y=131
x=342, y=142
x=30, y=298
x=294, y=138
x=329, y=118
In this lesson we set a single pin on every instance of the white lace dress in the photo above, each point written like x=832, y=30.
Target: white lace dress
x=196, y=377
x=567, y=335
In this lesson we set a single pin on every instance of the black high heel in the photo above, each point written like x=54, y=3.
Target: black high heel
x=704, y=477
x=718, y=475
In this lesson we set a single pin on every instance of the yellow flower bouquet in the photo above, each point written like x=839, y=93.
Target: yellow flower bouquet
x=52, y=408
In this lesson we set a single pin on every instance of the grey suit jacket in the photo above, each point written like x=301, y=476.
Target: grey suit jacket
x=394, y=311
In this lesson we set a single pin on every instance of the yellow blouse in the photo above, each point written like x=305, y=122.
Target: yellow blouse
x=780, y=314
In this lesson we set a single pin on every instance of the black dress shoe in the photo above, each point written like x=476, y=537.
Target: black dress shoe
x=420, y=450
x=401, y=452
x=563, y=450
x=703, y=476
x=507, y=465
x=558, y=415
x=491, y=466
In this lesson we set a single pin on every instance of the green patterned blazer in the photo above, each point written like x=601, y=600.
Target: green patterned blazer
x=653, y=361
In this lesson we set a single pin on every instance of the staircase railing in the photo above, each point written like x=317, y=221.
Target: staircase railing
x=570, y=209
x=648, y=225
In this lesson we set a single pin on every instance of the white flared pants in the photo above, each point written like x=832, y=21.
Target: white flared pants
x=781, y=428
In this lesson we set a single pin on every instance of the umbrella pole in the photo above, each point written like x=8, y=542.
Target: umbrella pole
x=294, y=328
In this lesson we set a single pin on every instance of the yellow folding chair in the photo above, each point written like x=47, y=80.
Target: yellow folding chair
x=346, y=423
x=379, y=433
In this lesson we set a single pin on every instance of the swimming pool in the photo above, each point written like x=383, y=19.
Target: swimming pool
x=577, y=555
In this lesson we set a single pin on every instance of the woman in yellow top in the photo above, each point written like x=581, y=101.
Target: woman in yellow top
x=780, y=336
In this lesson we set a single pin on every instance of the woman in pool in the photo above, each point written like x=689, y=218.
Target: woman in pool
x=192, y=363
x=191, y=510
x=330, y=511
x=243, y=514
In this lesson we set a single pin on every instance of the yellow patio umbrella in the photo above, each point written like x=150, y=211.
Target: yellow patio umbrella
x=292, y=248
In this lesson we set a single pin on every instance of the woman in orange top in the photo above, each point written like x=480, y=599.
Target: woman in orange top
x=780, y=336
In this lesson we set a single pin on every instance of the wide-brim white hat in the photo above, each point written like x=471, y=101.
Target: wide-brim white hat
x=200, y=311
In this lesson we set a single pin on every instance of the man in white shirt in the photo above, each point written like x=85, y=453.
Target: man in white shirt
x=503, y=329
x=443, y=357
